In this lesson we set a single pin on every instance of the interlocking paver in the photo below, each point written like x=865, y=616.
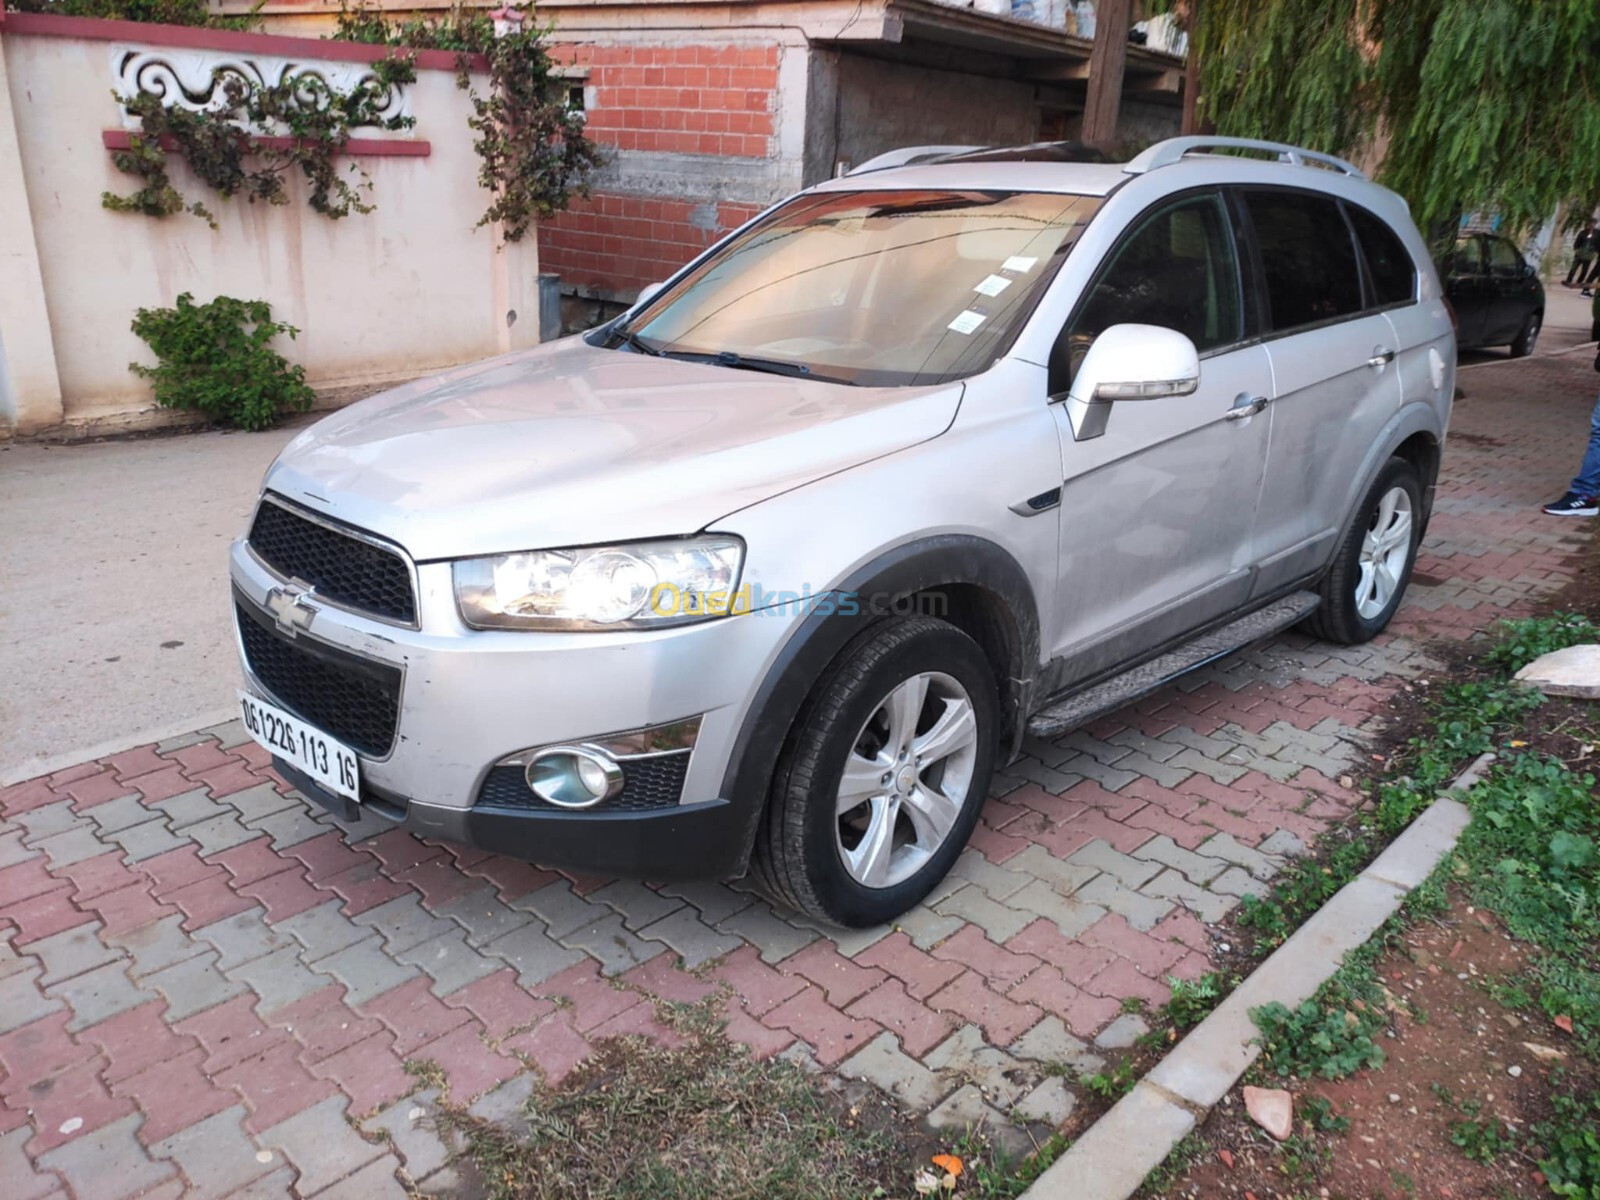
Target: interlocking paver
x=22, y=1001
x=72, y=952
x=193, y=985
x=365, y=970
x=103, y=992
x=375, y=1181
x=882, y=1063
x=773, y=937
x=409, y=1125
x=321, y=1145
x=449, y=962
x=109, y=1163
x=636, y=904
x=609, y=942
x=404, y=923
x=1141, y=911
x=278, y=979
x=324, y=930
x=484, y=916
x=972, y=904
x=688, y=934
x=156, y=946
x=215, y=1154
x=533, y=953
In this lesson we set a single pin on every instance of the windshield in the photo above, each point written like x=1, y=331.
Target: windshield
x=875, y=288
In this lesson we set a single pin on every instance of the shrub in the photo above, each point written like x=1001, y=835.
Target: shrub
x=217, y=359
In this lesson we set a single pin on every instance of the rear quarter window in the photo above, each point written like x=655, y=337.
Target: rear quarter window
x=1308, y=261
x=1393, y=273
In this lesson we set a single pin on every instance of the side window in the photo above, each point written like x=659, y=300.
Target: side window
x=1464, y=259
x=1307, y=258
x=1504, y=261
x=1175, y=269
x=1394, y=275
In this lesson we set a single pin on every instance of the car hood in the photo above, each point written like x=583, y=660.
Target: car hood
x=569, y=444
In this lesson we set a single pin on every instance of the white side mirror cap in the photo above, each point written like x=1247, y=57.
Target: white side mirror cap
x=1130, y=362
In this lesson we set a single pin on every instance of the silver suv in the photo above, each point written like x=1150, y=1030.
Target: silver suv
x=770, y=572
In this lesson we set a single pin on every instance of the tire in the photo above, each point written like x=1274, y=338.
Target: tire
x=814, y=859
x=1529, y=337
x=1352, y=609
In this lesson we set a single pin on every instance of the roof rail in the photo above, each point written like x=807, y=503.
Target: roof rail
x=1164, y=154
x=908, y=155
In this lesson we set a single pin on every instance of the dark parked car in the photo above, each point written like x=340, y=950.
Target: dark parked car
x=1497, y=295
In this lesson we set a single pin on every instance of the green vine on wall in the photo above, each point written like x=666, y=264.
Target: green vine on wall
x=534, y=155
x=222, y=144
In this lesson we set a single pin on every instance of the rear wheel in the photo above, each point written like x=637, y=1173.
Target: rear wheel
x=883, y=778
x=1528, y=338
x=1363, y=588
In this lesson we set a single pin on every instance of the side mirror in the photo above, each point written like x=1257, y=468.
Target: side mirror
x=647, y=293
x=1129, y=362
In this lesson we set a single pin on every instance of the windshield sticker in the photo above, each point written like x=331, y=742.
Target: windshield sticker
x=967, y=322
x=1018, y=263
x=993, y=285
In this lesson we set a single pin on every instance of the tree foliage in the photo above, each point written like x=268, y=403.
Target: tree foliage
x=533, y=154
x=1474, y=105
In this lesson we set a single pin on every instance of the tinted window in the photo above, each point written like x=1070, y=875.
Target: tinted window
x=1307, y=258
x=1176, y=270
x=1503, y=258
x=1394, y=276
x=1464, y=258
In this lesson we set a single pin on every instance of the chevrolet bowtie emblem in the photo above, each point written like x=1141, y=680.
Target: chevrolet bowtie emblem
x=290, y=610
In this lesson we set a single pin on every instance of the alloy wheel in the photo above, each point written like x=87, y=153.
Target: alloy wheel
x=906, y=780
x=1384, y=552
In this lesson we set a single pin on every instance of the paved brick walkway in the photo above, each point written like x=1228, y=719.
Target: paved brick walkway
x=205, y=986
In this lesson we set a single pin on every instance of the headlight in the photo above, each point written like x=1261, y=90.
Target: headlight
x=645, y=585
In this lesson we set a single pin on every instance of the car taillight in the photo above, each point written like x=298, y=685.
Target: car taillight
x=1455, y=322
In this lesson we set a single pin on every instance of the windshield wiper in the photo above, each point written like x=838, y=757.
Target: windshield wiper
x=627, y=337
x=743, y=362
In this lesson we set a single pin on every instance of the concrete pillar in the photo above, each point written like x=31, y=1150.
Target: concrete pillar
x=1110, y=53
x=30, y=387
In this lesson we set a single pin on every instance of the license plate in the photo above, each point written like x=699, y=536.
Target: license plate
x=329, y=762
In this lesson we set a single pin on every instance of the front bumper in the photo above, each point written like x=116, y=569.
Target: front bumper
x=469, y=698
x=692, y=841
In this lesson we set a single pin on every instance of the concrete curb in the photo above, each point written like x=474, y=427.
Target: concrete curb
x=1112, y=1159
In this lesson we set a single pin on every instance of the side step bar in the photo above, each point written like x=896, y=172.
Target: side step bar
x=1111, y=694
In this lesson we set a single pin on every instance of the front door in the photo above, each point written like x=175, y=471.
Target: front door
x=1157, y=512
x=1336, y=382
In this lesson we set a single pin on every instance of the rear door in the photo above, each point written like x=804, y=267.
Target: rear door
x=1513, y=291
x=1335, y=382
x=1157, y=513
x=1466, y=282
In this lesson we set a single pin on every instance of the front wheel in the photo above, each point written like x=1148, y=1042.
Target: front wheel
x=1363, y=588
x=885, y=773
x=1528, y=338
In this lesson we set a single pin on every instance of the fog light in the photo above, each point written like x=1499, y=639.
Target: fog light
x=573, y=776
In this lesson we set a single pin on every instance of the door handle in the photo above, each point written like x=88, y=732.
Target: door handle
x=1245, y=405
x=1382, y=356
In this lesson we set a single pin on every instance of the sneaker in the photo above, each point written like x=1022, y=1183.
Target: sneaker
x=1574, y=505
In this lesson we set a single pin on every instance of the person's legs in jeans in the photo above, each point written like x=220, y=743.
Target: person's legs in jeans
x=1579, y=268
x=1586, y=482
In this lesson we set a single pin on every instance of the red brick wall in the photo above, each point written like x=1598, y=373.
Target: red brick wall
x=619, y=243
x=682, y=99
x=712, y=100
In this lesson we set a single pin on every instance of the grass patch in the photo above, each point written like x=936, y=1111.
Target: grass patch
x=705, y=1121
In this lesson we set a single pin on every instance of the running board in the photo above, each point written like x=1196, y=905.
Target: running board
x=1114, y=693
